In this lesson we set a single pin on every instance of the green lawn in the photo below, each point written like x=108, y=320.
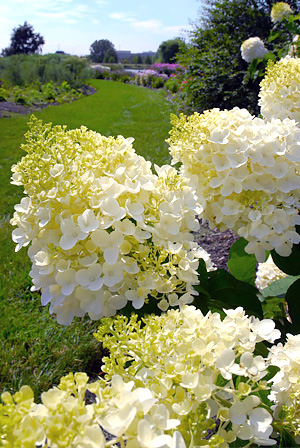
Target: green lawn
x=34, y=349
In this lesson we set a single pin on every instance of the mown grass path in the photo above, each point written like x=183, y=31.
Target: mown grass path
x=34, y=349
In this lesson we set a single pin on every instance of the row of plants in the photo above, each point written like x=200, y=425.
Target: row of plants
x=158, y=76
x=21, y=70
x=38, y=94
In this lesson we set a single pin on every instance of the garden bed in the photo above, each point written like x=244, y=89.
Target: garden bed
x=10, y=108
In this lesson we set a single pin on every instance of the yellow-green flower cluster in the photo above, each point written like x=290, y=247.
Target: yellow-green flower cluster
x=267, y=273
x=280, y=11
x=246, y=174
x=104, y=230
x=182, y=380
x=64, y=420
x=285, y=390
x=190, y=362
x=279, y=95
x=253, y=48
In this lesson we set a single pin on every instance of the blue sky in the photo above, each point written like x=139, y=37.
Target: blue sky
x=73, y=25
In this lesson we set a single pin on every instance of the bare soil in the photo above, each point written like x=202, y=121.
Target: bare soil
x=8, y=109
x=216, y=243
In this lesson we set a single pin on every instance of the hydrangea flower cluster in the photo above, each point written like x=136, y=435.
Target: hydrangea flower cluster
x=267, y=273
x=253, y=48
x=104, y=229
x=279, y=95
x=190, y=362
x=280, y=11
x=285, y=390
x=191, y=380
x=246, y=173
x=63, y=419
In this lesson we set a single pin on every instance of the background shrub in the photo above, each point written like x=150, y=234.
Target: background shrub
x=215, y=72
x=20, y=70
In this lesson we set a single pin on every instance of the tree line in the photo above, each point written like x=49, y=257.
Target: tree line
x=24, y=40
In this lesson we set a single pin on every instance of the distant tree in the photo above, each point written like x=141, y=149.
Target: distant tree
x=168, y=50
x=148, y=60
x=99, y=48
x=111, y=56
x=138, y=59
x=24, y=41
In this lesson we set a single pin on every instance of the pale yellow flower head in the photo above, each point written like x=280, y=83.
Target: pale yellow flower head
x=102, y=229
x=267, y=273
x=180, y=357
x=246, y=172
x=279, y=95
x=285, y=390
x=279, y=11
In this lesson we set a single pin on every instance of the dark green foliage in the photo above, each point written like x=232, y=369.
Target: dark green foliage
x=168, y=50
x=216, y=73
x=138, y=59
x=111, y=56
x=148, y=60
x=99, y=48
x=22, y=70
x=24, y=41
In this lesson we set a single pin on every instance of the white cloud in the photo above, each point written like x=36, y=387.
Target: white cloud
x=157, y=27
x=101, y=3
x=147, y=25
x=123, y=17
x=68, y=16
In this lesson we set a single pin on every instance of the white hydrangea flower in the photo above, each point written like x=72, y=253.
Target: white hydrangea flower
x=180, y=357
x=279, y=95
x=280, y=11
x=267, y=273
x=285, y=387
x=253, y=48
x=246, y=172
x=103, y=225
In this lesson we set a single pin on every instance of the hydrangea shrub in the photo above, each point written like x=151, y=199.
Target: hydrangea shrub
x=181, y=380
x=103, y=229
x=190, y=361
x=246, y=174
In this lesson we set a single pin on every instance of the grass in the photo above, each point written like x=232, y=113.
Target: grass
x=34, y=349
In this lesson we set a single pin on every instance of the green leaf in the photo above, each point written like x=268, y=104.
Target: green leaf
x=202, y=274
x=292, y=27
x=293, y=300
x=242, y=265
x=274, y=35
x=270, y=55
x=278, y=287
x=253, y=66
x=272, y=370
x=230, y=292
x=286, y=440
x=221, y=381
